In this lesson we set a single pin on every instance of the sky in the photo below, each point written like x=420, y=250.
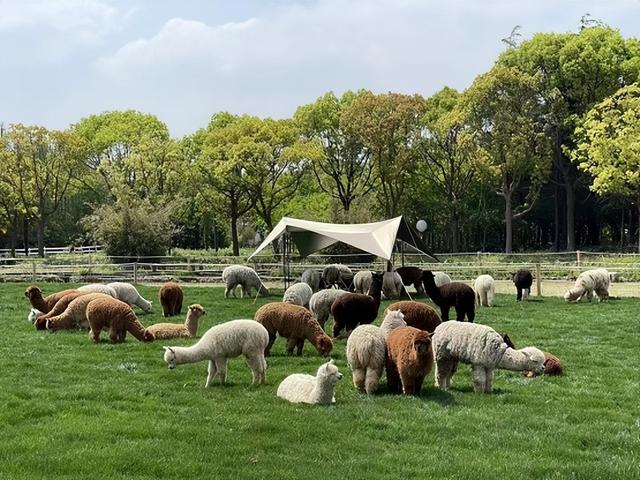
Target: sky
x=184, y=60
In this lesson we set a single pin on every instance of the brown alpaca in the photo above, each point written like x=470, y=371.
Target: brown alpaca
x=171, y=299
x=34, y=294
x=75, y=315
x=409, y=359
x=60, y=306
x=416, y=314
x=552, y=366
x=118, y=317
x=295, y=323
x=162, y=331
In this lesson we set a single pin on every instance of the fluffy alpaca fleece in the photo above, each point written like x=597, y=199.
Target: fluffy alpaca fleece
x=75, y=315
x=312, y=278
x=295, y=323
x=353, y=309
x=338, y=275
x=60, y=306
x=366, y=351
x=441, y=278
x=98, y=288
x=392, y=286
x=455, y=294
x=417, y=315
x=522, y=279
x=484, y=349
x=412, y=276
x=320, y=303
x=485, y=288
x=588, y=282
x=170, y=297
x=318, y=390
x=129, y=294
x=409, y=359
x=246, y=277
x=163, y=331
x=118, y=317
x=222, y=342
x=44, y=305
x=298, y=294
x=362, y=281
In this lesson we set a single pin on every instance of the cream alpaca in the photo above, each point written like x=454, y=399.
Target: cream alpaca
x=483, y=348
x=320, y=303
x=162, y=331
x=222, y=342
x=589, y=282
x=485, y=289
x=246, y=277
x=318, y=390
x=98, y=288
x=129, y=294
x=298, y=294
x=362, y=281
x=392, y=286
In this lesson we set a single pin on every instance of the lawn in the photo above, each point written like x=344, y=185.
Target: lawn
x=72, y=409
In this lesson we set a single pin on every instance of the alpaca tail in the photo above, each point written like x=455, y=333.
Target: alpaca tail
x=135, y=328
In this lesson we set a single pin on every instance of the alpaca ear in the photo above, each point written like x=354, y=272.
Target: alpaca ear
x=331, y=362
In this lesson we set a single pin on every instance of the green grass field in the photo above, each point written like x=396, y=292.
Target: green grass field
x=72, y=409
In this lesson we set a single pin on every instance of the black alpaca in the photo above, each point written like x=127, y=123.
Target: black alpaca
x=454, y=294
x=352, y=309
x=522, y=280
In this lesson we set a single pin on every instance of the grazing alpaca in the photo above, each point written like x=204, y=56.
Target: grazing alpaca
x=118, y=317
x=366, y=351
x=318, y=390
x=246, y=277
x=392, y=286
x=75, y=315
x=320, y=303
x=295, y=323
x=484, y=349
x=522, y=279
x=353, y=309
x=552, y=366
x=409, y=359
x=338, y=275
x=588, y=282
x=98, y=288
x=362, y=281
x=60, y=306
x=485, y=288
x=44, y=305
x=163, y=331
x=441, y=278
x=411, y=276
x=298, y=294
x=313, y=279
x=454, y=294
x=416, y=314
x=129, y=294
x=170, y=296
x=222, y=342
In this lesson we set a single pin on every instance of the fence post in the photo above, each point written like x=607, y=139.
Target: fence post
x=35, y=266
x=538, y=280
x=578, y=257
x=135, y=273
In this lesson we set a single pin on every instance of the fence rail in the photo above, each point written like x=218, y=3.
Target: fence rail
x=33, y=251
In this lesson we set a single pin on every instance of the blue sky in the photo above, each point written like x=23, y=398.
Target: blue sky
x=185, y=60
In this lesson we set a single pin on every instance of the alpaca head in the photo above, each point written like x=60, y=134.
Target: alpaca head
x=170, y=357
x=148, y=336
x=572, y=295
x=146, y=307
x=393, y=319
x=428, y=277
x=197, y=310
x=534, y=359
x=263, y=291
x=328, y=372
x=422, y=343
x=376, y=281
x=34, y=314
x=325, y=345
x=33, y=292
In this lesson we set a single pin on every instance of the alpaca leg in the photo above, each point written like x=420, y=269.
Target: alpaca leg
x=291, y=344
x=484, y=300
x=94, y=335
x=179, y=307
x=114, y=335
x=221, y=366
x=299, y=346
x=444, y=371
x=165, y=308
x=254, y=363
x=488, y=380
x=408, y=384
x=211, y=372
x=372, y=379
x=393, y=378
x=337, y=326
x=471, y=313
x=519, y=294
x=527, y=291
x=589, y=295
x=445, y=313
x=263, y=369
x=417, y=385
x=479, y=378
x=272, y=339
x=490, y=297
x=359, y=375
x=603, y=294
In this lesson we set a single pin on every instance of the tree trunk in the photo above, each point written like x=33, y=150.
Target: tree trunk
x=508, y=220
x=25, y=235
x=453, y=239
x=556, y=219
x=41, y=224
x=234, y=234
x=13, y=234
x=570, y=192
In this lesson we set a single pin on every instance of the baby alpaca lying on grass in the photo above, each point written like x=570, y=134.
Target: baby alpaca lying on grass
x=588, y=282
x=163, y=331
x=318, y=390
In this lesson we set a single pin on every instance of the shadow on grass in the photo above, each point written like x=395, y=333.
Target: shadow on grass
x=427, y=395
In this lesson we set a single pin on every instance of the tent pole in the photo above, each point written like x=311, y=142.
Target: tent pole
x=285, y=260
x=402, y=253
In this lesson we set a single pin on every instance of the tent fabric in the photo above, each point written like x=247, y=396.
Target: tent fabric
x=376, y=238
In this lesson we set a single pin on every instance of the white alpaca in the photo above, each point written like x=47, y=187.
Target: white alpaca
x=485, y=289
x=320, y=303
x=311, y=278
x=392, y=285
x=98, y=288
x=441, y=278
x=222, y=342
x=362, y=281
x=588, y=282
x=246, y=277
x=303, y=388
x=129, y=294
x=298, y=294
x=34, y=314
x=366, y=351
x=483, y=348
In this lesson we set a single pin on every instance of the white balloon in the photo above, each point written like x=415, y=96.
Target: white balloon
x=421, y=225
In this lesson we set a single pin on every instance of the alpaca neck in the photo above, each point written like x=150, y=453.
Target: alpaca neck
x=433, y=291
x=375, y=292
x=323, y=391
x=191, y=323
x=39, y=304
x=513, y=360
x=195, y=353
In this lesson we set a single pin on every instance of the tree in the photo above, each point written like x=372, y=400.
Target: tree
x=609, y=146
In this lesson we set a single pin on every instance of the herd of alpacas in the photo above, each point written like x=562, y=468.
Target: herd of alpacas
x=411, y=340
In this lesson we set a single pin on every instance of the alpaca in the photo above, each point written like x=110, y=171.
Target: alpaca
x=75, y=315
x=353, y=309
x=320, y=303
x=98, y=288
x=366, y=351
x=222, y=342
x=298, y=294
x=455, y=294
x=362, y=281
x=441, y=279
x=409, y=359
x=485, y=289
x=295, y=323
x=60, y=306
x=163, y=331
x=44, y=305
x=588, y=282
x=484, y=349
x=338, y=275
x=417, y=315
x=246, y=277
x=392, y=286
x=129, y=294
x=522, y=279
x=313, y=279
x=118, y=317
x=33, y=316
x=170, y=297
x=552, y=366
x=412, y=276
x=318, y=390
